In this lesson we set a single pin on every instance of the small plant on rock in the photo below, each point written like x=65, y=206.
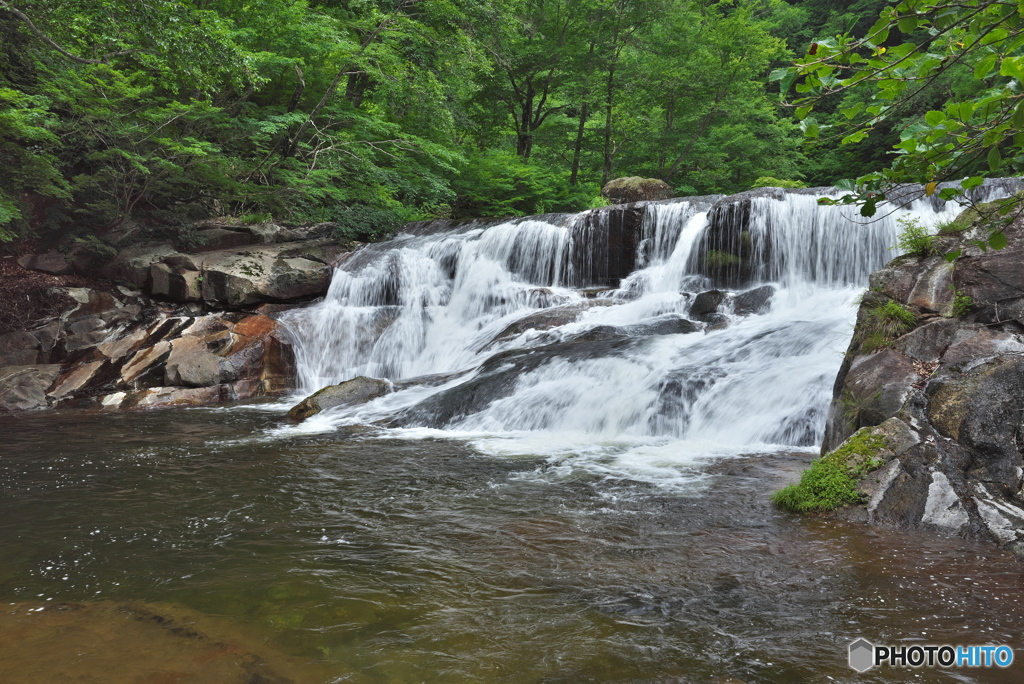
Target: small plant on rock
x=915, y=239
x=892, y=319
x=716, y=259
x=962, y=303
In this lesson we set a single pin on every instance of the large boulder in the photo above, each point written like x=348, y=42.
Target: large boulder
x=267, y=273
x=636, y=189
x=24, y=387
x=755, y=301
x=706, y=303
x=955, y=380
x=53, y=263
x=132, y=264
x=349, y=393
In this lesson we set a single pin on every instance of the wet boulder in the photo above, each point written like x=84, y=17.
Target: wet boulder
x=756, y=301
x=669, y=324
x=541, y=320
x=600, y=333
x=706, y=303
x=499, y=376
x=352, y=392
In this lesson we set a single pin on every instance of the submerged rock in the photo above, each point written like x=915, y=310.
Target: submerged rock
x=358, y=390
x=499, y=376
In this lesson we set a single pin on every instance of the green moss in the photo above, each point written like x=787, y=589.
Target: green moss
x=770, y=182
x=831, y=481
x=717, y=259
x=983, y=212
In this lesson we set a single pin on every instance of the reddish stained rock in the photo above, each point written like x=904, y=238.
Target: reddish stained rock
x=75, y=379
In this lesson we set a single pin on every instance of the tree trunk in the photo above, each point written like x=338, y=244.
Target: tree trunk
x=355, y=90
x=578, y=147
x=524, y=130
x=606, y=172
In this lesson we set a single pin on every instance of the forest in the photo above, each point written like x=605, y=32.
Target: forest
x=371, y=113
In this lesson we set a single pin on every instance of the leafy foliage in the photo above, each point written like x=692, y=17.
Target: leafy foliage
x=769, y=182
x=306, y=110
x=964, y=58
x=962, y=304
x=888, y=321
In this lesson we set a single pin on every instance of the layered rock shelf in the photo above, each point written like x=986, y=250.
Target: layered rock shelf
x=168, y=326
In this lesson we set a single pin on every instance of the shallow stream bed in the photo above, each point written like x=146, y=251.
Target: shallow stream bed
x=202, y=546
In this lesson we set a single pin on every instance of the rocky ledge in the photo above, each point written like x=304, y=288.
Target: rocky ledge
x=162, y=326
x=937, y=360
x=123, y=352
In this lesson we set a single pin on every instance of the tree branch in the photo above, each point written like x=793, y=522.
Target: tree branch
x=49, y=41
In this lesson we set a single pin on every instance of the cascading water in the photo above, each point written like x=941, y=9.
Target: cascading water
x=502, y=333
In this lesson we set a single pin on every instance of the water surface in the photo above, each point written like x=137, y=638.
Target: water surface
x=360, y=556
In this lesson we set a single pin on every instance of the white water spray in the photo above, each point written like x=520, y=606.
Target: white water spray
x=534, y=354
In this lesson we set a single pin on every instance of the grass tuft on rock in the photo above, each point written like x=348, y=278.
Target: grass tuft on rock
x=831, y=481
x=887, y=321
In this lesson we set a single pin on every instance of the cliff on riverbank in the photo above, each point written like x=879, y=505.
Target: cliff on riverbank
x=934, y=376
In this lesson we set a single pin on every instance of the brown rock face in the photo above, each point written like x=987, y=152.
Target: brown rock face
x=113, y=364
x=636, y=189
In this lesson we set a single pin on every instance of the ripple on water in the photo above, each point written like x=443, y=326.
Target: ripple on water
x=378, y=559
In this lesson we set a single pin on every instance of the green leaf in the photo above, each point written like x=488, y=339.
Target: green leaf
x=997, y=240
x=869, y=209
x=994, y=159
x=1012, y=66
x=985, y=67
x=972, y=182
x=948, y=193
x=934, y=118
x=907, y=24
x=953, y=256
x=1017, y=120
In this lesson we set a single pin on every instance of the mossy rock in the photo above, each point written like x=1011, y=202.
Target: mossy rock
x=636, y=189
x=833, y=480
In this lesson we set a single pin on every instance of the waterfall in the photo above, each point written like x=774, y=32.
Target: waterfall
x=566, y=329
